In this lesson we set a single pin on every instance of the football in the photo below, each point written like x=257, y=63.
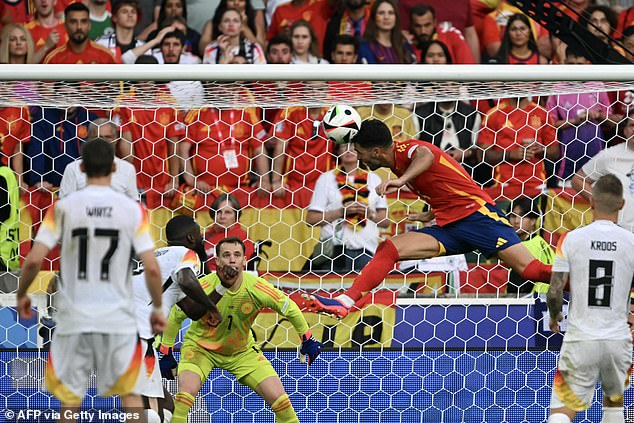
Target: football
x=341, y=123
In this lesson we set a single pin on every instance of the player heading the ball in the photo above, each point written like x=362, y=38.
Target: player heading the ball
x=467, y=218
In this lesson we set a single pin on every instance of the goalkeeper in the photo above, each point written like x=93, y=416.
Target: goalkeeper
x=228, y=344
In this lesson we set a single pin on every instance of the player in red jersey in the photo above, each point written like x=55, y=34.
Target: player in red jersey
x=466, y=217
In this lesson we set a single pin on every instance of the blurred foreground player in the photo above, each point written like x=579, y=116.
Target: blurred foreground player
x=96, y=327
x=229, y=344
x=599, y=262
x=180, y=263
x=467, y=218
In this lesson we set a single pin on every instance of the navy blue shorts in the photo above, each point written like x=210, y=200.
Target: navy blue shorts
x=486, y=230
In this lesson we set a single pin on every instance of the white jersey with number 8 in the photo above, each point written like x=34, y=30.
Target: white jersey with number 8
x=99, y=230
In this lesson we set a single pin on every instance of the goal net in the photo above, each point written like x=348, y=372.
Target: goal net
x=452, y=339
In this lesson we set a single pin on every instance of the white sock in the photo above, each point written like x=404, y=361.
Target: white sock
x=152, y=416
x=613, y=415
x=345, y=300
x=558, y=418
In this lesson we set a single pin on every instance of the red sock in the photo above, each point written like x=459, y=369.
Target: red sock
x=375, y=271
x=537, y=271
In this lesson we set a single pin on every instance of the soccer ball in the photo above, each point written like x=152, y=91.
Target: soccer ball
x=341, y=123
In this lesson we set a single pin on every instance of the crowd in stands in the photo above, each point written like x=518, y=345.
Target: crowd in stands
x=189, y=159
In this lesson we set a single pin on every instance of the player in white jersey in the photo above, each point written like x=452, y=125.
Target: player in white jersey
x=96, y=325
x=180, y=264
x=599, y=261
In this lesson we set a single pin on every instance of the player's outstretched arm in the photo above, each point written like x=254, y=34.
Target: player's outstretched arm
x=30, y=269
x=152, y=273
x=555, y=299
x=188, y=282
x=422, y=160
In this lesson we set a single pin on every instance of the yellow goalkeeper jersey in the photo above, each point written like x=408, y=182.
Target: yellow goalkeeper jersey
x=239, y=310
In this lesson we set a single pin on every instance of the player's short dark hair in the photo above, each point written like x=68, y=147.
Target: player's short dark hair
x=97, y=157
x=230, y=240
x=346, y=40
x=222, y=198
x=118, y=4
x=75, y=7
x=528, y=207
x=277, y=40
x=179, y=226
x=575, y=51
x=373, y=133
x=607, y=194
x=175, y=34
x=422, y=9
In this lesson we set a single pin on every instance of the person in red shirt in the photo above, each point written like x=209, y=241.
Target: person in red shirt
x=225, y=212
x=516, y=137
x=79, y=49
x=519, y=46
x=316, y=12
x=152, y=136
x=15, y=131
x=17, y=11
x=218, y=151
x=423, y=27
x=302, y=152
x=47, y=30
x=466, y=217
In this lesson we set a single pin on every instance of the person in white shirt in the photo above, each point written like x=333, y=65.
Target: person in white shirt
x=124, y=176
x=597, y=260
x=618, y=160
x=346, y=206
x=96, y=326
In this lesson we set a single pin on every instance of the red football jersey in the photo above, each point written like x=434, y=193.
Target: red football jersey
x=15, y=128
x=93, y=53
x=149, y=130
x=445, y=186
x=316, y=12
x=40, y=33
x=223, y=144
x=508, y=127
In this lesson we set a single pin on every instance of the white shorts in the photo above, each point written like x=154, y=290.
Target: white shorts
x=117, y=359
x=154, y=383
x=582, y=364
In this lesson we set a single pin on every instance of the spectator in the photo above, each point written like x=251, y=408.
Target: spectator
x=201, y=11
x=618, y=160
x=399, y=119
x=423, y=28
x=494, y=25
x=628, y=42
x=279, y=51
x=225, y=212
x=458, y=16
x=15, y=132
x=348, y=210
x=305, y=47
x=46, y=29
x=122, y=43
x=253, y=28
x=100, y=24
x=625, y=20
x=232, y=42
x=578, y=119
x=124, y=175
x=176, y=42
x=383, y=41
x=601, y=22
x=16, y=45
x=316, y=12
x=79, y=49
x=56, y=139
x=524, y=216
x=346, y=52
x=518, y=44
x=301, y=153
x=170, y=11
x=351, y=21
x=517, y=137
x=17, y=12
x=219, y=147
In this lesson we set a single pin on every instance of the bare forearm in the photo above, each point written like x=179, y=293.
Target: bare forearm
x=321, y=218
x=583, y=185
x=555, y=296
x=421, y=162
x=30, y=269
x=493, y=156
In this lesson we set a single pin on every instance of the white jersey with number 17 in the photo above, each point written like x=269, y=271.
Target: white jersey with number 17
x=99, y=229
x=171, y=260
x=600, y=260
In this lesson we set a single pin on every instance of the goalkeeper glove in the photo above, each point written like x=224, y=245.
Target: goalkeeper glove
x=167, y=362
x=310, y=347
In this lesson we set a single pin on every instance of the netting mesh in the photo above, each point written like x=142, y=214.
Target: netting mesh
x=456, y=339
